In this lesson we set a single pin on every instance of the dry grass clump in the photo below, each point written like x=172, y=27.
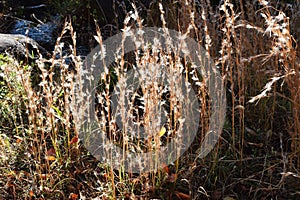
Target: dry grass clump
x=257, y=55
x=41, y=156
x=254, y=47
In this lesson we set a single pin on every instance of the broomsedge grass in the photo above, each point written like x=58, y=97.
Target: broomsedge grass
x=257, y=55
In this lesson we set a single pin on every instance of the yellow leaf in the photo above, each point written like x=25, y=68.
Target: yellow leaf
x=50, y=158
x=162, y=131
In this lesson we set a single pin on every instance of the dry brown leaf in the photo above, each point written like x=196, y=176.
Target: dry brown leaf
x=31, y=193
x=51, y=152
x=182, y=195
x=73, y=196
x=74, y=140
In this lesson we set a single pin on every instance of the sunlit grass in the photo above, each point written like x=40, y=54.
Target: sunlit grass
x=254, y=49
